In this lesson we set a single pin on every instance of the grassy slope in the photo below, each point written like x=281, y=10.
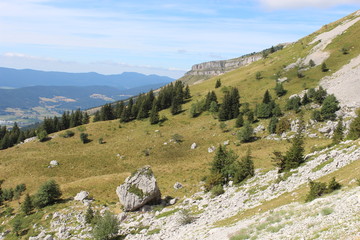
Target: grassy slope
x=96, y=168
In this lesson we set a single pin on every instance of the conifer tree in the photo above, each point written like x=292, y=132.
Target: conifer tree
x=329, y=107
x=246, y=133
x=279, y=89
x=272, y=125
x=239, y=120
x=154, y=114
x=234, y=102
x=187, y=94
x=218, y=83
x=267, y=97
x=176, y=105
x=27, y=206
x=354, y=132
x=97, y=116
x=119, y=107
x=225, y=108
x=222, y=162
x=305, y=100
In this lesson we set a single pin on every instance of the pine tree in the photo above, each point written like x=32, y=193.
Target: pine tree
x=154, y=114
x=246, y=133
x=272, y=125
x=119, y=107
x=143, y=112
x=312, y=63
x=234, y=102
x=218, y=83
x=97, y=116
x=277, y=111
x=176, y=105
x=267, y=97
x=86, y=118
x=225, y=108
x=305, y=100
x=222, y=162
x=295, y=155
x=239, y=121
x=27, y=206
x=354, y=132
x=324, y=68
x=329, y=107
x=320, y=95
x=279, y=89
x=213, y=107
x=338, y=133
x=187, y=94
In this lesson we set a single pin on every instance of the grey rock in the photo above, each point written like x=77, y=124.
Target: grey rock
x=172, y=201
x=54, y=163
x=211, y=149
x=139, y=189
x=178, y=185
x=193, y=146
x=81, y=196
x=227, y=142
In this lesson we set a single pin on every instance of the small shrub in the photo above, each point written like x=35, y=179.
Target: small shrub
x=317, y=189
x=101, y=141
x=47, y=194
x=89, y=215
x=177, y=138
x=327, y=211
x=185, y=217
x=258, y=76
x=84, y=138
x=106, y=227
x=312, y=63
x=68, y=134
x=345, y=50
x=42, y=135
x=333, y=185
x=217, y=190
x=324, y=67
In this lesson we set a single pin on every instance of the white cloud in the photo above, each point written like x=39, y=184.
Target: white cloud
x=288, y=4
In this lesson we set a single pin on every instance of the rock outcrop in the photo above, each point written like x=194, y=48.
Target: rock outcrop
x=139, y=189
x=214, y=68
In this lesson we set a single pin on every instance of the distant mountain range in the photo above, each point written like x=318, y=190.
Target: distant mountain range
x=28, y=95
x=25, y=78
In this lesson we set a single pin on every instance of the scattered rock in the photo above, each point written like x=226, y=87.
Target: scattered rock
x=227, y=142
x=193, y=146
x=211, y=149
x=178, y=185
x=259, y=128
x=81, y=196
x=139, y=189
x=54, y=163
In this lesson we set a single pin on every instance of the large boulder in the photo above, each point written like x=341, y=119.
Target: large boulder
x=139, y=189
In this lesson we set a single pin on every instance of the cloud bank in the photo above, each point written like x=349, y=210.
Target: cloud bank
x=291, y=4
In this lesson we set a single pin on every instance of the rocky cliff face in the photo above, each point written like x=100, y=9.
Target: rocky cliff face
x=215, y=68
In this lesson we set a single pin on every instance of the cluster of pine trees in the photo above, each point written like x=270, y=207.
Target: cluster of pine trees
x=66, y=121
x=147, y=105
x=10, y=137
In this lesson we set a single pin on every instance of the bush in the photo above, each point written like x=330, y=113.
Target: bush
x=217, y=190
x=177, y=138
x=317, y=189
x=89, y=215
x=312, y=63
x=42, y=135
x=246, y=133
x=106, y=227
x=282, y=126
x=324, y=68
x=354, y=132
x=329, y=107
x=279, y=89
x=212, y=180
x=218, y=83
x=316, y=115
x=333, y=185
x=185, y=217
x=47, y=194
x=84, y=138
x=68, y=134
x=293, y=103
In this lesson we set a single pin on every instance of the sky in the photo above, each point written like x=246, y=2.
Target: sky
x=164, y=37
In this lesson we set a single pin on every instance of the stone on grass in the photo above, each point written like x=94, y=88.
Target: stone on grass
x=193, y=146
x=81, y=196
x=178, y=185
x=139, y=189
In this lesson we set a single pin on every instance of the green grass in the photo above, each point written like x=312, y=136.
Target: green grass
x=168, y=213
x=321, y=165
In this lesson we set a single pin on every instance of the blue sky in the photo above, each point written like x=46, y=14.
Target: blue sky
x=153, y=37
